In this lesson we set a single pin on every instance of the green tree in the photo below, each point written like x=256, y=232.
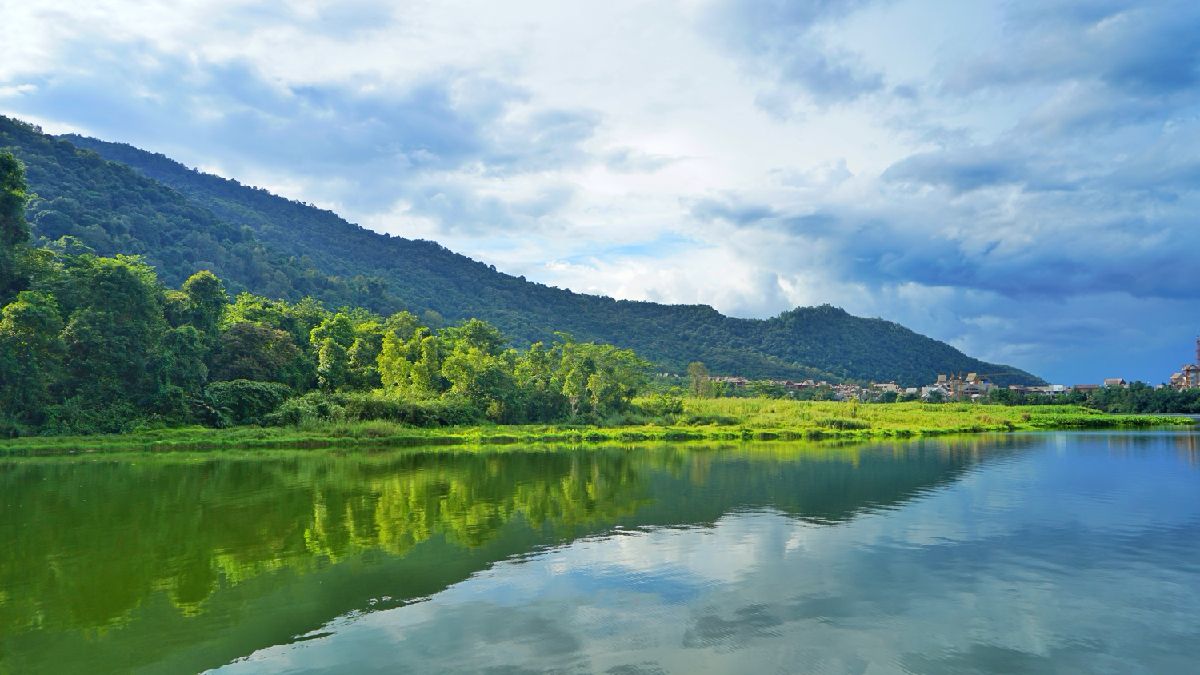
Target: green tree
x=699, y=381
x=207, y=301
x=333, y=364
x=338, y=328
x=14, y=231
x=426, y=377
x=484, y=379
x=251, y=351
x=31, y=353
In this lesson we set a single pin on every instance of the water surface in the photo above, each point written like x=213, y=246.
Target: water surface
x=1064, y=552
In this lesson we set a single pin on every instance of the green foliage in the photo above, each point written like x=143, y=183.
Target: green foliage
x=100, y=345
x=333, y=364
x=252, y=351
x=1137, y=398
x=206, y=301
x=14, y=231
x=31, y=353
x=662, y=405
x=699, y=380
x=246, y=401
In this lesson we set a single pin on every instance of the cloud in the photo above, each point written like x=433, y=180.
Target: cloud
x=367, y=142
x=1142, y=48
x=781, y=42
x=960, y=170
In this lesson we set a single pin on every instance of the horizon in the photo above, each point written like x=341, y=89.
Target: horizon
x=892, y=159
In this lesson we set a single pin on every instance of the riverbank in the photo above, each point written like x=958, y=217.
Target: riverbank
x=701, y=420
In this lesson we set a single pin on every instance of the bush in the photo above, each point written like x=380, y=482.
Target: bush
x=661, y=405
x=314, y=406
x=842, y=423
x=246, y=401
x=84, y=415
x=358, y=407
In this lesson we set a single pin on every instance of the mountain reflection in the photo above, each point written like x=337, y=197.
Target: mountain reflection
x=186, y=561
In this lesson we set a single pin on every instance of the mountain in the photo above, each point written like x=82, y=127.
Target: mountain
x=119, y=199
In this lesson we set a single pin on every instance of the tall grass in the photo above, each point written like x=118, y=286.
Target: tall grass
x=724, y=419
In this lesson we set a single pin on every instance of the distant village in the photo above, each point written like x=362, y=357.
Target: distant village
x=949, y=387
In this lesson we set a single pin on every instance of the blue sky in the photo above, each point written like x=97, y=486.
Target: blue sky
x=1021, y=180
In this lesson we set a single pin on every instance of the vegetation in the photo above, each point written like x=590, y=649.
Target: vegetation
x=1138, y=397
x=181, y=221
x=368, y=421
x=92, y=344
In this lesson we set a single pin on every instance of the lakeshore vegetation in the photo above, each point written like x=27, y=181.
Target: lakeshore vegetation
x=689, y=419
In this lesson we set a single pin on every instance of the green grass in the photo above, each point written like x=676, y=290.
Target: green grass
x=725, y=419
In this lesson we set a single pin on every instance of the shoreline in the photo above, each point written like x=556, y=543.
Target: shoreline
x=757, y=420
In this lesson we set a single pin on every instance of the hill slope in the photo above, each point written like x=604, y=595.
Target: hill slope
x=183, y=220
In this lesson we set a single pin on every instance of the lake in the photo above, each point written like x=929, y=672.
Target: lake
x=1052, y=552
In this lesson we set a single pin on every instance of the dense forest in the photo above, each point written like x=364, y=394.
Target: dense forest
x=181, y=221
x=99, y=344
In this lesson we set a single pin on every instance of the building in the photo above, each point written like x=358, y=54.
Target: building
x=959, y=387
x=1115, y=382
x=734, y=382
x=1188, y=376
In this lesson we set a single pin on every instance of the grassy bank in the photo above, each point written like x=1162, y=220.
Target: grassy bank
x=701, y=420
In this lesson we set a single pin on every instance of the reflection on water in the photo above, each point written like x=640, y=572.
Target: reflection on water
x=994, y=554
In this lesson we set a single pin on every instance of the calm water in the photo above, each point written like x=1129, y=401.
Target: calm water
x=1032, y=553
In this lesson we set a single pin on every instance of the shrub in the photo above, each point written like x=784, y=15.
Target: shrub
x=360, y=407
x=84, y=415
x=246, y=401
x=314, y=406
x=661, y=405
x=842, y=423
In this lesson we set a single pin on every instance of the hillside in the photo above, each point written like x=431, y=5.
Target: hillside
x=183, y=220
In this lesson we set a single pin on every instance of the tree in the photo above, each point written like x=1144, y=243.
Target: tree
x=484, y=379
x=207, y=301
x=700, y=382
x=250, y=351
x=31, y=352
x=535, y=378
x=338, y=328
x=14, y=231
x=333, y=364
x=426, y=377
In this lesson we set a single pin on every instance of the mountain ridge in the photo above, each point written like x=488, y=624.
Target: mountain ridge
x=284, y=248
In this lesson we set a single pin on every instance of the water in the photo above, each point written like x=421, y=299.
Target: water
x=1064, y=552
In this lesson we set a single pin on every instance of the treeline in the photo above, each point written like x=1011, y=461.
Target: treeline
x=97, y=344
x=1138, y=397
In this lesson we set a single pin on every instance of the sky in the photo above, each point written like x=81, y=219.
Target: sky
x=1021, y=180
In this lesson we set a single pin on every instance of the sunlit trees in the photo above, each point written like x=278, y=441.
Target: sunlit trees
x=99, y=344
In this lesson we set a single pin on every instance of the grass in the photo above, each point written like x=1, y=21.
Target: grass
x=727, y=419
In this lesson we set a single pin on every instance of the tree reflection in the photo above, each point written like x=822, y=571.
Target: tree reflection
x=91, y=543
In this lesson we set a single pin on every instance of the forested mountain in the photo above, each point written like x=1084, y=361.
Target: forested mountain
x=183, y=220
